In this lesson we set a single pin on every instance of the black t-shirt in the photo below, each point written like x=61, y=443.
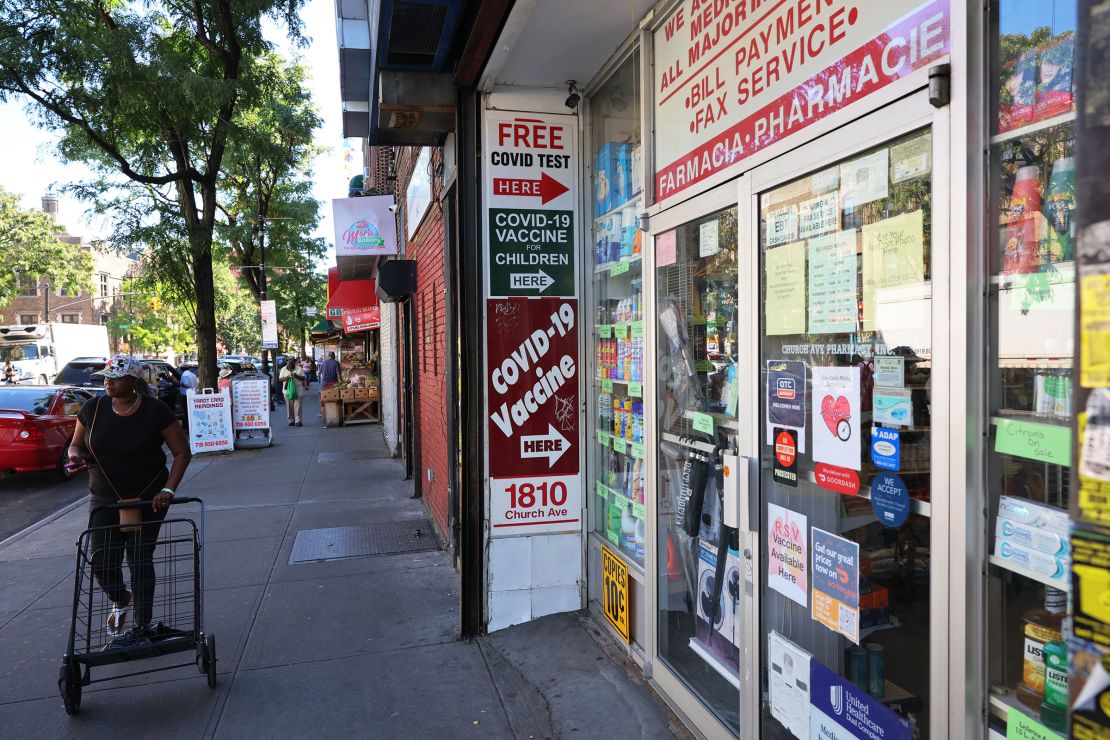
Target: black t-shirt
x=125, y=451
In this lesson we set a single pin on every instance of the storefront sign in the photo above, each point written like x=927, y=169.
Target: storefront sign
x=836, y=479
x=250, y=403
x=418, y=194
x=1044, y=442
x=734, y=78
x=886, y=448
x=788, y=566
x=531, y=200
x=614, y=592
x=361, y=319
x=844, y=711
x=364, y=226
x=836, y=416
x=535, y=505
x=890, y=500
x=785, y=469
x=209, y=421
x=782, y=226
x=789, y=684
x=836, y=583
x=786, y=393
x=269, y=324
x=819, y=215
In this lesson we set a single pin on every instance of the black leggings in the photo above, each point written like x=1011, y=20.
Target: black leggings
x=108, y=548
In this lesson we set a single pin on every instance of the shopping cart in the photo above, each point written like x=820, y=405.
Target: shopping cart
x=177, y=604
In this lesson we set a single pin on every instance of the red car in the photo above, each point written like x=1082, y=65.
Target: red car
x=36, y=425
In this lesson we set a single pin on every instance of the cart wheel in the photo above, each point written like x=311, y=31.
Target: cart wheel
x=69, y=684
x=210, y=651
x=202, y=656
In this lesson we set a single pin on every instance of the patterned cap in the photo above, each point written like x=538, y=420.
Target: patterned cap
x=121, y=365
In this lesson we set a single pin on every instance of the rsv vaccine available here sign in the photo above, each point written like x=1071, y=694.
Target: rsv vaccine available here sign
x=530, y=164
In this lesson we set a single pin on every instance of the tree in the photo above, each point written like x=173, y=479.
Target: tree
x=152, y=322
x=30, y=247
x=295, y=291
x=148, y=91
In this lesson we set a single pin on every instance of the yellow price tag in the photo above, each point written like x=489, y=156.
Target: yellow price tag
x=614, y=591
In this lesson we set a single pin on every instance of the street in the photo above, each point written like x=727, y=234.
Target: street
x=30, y=498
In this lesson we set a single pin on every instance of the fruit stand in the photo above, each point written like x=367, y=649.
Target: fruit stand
x=356, y=400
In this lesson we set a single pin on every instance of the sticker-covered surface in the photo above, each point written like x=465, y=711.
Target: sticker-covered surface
x=836, y=583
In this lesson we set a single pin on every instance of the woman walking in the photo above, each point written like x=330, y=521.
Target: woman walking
x=120, y=437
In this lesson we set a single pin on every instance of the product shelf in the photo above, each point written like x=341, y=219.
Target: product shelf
x=638, y=510
x=634, y=200
x=1015, y=415
x=632, y=261
x=1034, y=127
x=1001, y=701
x=1033, y=575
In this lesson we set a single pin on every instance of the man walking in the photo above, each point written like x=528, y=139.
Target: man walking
x=189, y=379
x=330, y=372
x=289, y=377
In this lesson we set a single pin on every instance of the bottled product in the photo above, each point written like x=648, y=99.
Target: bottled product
x=1020, y=238
x=1041, y=626
x=628, y=231
x=1054, y=708
x=638, y=540
x=628, y=529
x=1059, y=207
x=857, y=666
x=876, y=670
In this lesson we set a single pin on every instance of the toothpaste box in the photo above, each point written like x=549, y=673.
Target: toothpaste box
x=1041, y=540
x=1034, y=515
x=613, y=173
x=1056, y=570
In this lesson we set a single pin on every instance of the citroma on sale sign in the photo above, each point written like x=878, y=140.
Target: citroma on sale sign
x=734, y=78
x=532, y=355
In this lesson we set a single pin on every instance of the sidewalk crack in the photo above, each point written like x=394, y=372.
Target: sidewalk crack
x=526, y=708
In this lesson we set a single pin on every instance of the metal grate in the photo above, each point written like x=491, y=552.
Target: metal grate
x=334, y=457
x=340, y=543
x=414, y=33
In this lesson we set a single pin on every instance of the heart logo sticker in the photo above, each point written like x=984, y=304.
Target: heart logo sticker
x=836, y=412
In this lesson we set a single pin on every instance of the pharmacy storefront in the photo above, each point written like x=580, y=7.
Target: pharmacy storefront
x=812, y=271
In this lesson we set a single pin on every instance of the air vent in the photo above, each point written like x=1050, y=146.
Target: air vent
x=414, y=33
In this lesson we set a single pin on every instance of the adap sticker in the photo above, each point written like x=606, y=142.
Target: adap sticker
x=886, y=448
x=890, y=500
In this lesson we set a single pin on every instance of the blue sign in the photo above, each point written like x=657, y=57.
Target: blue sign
x=840, y=709
x=836, y=567
x=890, y=500
x=786, y=394
x=886, y=448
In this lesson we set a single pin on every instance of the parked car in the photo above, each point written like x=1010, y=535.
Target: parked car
x=161, y=376
x=36, y=426
x=79, y=372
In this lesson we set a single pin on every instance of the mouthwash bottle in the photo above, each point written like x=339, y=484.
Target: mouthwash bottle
x=1041, y=626
x=1054, y=708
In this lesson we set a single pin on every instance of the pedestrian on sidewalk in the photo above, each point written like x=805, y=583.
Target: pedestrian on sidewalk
x=330, y=372
x=225, y=378
x=189, y=379
x=120, y=437
x=306, y=371
x=289, y=376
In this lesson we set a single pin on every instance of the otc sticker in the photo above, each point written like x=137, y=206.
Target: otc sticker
x=890, y=500
x=786, y=457
x=886, y=448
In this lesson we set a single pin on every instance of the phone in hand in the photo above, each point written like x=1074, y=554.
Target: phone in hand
x=76, y=466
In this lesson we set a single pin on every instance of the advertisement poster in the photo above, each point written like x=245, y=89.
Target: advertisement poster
x=789, y=684
x=785, y=458
x=782, y=226
x=836, y=583
x=893, y=256
x=209, y=421
x=788, y=566
x=832, y=283
x=364, y=226
x=841, y=710
x=818, y=215
x=531, y=198
x=1094, y=331
x=785, y=285
x=250, y=403
x=864, y=180
x=836, y=416
x=731, y=79
x=268, y=311
x=361, y=319
x=786, y=394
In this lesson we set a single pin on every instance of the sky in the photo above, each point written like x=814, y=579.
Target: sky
x=30, y=167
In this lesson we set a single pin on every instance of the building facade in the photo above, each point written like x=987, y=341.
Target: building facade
x=763, y=349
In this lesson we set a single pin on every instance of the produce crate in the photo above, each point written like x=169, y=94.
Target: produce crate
x=329, y=394
x=362, y=394
x=348, y=394
x=374, y=393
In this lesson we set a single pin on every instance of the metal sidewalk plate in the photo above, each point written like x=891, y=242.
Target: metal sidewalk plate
x=340, y=543
x=334, y=457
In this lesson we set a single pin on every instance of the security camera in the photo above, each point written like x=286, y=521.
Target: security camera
x=573, y=97
x=393, y=208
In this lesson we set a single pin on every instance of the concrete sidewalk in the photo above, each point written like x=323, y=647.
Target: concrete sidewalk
x=360, y=647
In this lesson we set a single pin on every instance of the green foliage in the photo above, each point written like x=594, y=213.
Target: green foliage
x=29, y=246
x=152, y=322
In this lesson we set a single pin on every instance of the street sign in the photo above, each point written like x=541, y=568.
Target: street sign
x=310, y=311
x=531, y=204
x=614, y=592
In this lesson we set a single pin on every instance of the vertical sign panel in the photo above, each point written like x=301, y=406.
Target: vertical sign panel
x=269, y=325
x=531, y=203
x=614, y=592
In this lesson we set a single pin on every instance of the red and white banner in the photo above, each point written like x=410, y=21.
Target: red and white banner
x=732, y=78
x=361, y=319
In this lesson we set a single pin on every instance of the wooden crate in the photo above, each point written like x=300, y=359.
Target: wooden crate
x=347, y=394
x=374, y=393
x=362, y=394
x=329, y=394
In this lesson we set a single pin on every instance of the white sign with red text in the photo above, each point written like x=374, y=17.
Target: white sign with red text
x=535, y=505
x=209, y=420
x=250, y=403
x=733, y=77
x=361, y=319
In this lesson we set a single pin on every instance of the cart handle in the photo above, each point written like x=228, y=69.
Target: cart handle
x=141, y=504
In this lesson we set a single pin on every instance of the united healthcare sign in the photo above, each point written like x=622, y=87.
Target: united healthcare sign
x=364, y=226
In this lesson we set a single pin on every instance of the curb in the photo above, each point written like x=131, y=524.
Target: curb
x=43, y=522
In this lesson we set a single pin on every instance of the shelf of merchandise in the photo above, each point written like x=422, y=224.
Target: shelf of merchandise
x=1030, y=416
x=719, y=419
x=1064, y=585
x=1033, y=127
x=631, y=261
x=638, y=509
x=631, y=449
x=866, y=632
x=635, y=199
x=1001, y=704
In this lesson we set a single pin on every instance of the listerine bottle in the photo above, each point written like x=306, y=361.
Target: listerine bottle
x=1040, y=627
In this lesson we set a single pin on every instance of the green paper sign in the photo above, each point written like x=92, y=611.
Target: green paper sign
x=637, y=329
x=620, y=445
x=619, y=268
x=614, y=537
x=1021, y=727
x=620, y=331
x=602, y=490
x=636, y=389
x=703, y=423
x=605, y=331
x=606, y=385
x=638, y=511
x=603, y=438
x=637, y=451
x=1044, y=442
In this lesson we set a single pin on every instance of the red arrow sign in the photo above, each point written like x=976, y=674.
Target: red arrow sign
x=547, y=187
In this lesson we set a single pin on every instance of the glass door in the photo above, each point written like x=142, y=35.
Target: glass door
x=848, y=441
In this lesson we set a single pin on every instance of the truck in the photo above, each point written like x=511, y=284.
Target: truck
x=38, y=352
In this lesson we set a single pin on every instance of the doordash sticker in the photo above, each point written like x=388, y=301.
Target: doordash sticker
x=836, y=416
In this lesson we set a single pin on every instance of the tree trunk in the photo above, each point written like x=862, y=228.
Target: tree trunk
x=206, y=312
